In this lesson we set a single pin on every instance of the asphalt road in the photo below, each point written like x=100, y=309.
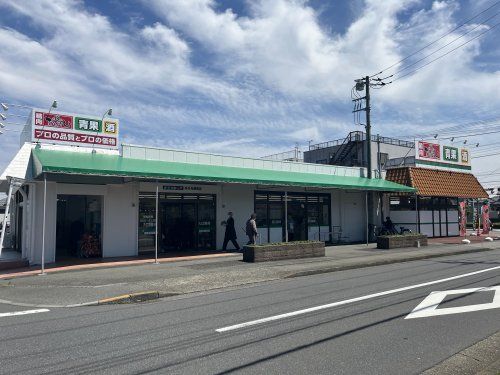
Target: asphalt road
x=179, y=335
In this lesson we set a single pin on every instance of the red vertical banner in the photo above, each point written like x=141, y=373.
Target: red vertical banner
x=486, y=218
x=463, y=219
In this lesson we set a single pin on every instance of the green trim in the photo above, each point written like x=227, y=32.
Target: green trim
x=78, y=163
x=440, y=164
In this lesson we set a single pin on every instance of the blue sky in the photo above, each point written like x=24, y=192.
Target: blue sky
x=247, y=77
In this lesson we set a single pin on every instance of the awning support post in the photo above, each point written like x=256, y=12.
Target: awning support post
x=156, y=227
x=286, y=216
x=7, y=212
x=478, y=208
x=366, y=212
x=417, y=229
x=42, y=271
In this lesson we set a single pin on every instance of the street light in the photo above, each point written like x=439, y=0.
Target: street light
x=6, y=106
x=54, y=105
x=109, y=112
x=2, y=116
x=2, y=125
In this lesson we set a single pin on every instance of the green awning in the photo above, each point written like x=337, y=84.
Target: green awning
x=79, y=163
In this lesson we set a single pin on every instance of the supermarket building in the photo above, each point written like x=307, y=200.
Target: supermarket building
x=71, y=194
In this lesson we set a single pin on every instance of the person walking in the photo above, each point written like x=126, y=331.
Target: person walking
x=251, y=229
x=230, y=234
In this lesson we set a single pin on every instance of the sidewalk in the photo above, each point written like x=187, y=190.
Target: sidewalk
x=86, y=286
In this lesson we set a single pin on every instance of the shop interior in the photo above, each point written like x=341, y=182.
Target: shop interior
x=79, y=226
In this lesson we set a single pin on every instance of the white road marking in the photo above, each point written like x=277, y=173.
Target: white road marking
x=428, y=307
x=25, y=312
x=349, y=301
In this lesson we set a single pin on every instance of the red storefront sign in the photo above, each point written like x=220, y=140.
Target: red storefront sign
x=53, y=120
x=463, y=219
x=428, y=150
x=54, y=135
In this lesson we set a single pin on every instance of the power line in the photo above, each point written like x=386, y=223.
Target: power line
x=437, y=40
x=487, y=123
x=445, y=54
x=485, y=156
x=446, y=45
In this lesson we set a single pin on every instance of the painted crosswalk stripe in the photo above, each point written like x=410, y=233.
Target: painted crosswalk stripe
x=25, y=312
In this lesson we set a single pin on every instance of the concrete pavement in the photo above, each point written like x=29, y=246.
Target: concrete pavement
x=87, y=286
x=178, y=335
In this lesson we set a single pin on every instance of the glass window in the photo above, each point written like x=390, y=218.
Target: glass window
x=206, y=221
x=305, y=211
x=261, y=210
x=147, y=221
x=402, y=203
x=312, y=212
x=424, y=203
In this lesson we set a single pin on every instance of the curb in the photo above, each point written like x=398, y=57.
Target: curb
x=482, y=358
x=130, y=298
x=152, y=295
x=381, y=263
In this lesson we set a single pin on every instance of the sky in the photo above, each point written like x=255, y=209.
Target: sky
x=253, y=78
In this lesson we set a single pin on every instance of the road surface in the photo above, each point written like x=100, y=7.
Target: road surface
x=350, y=322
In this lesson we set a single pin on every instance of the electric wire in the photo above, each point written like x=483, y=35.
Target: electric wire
x=446, y=45
x=445, y=54
x=437, y=40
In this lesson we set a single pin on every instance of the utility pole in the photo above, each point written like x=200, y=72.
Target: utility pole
x=364, y=84
x=368, y=128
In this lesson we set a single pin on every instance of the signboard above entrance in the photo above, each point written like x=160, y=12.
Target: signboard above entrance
x=445, y=156
x=74, y=130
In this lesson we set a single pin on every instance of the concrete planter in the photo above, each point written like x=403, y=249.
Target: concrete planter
x=280, y=251
x=399, y=241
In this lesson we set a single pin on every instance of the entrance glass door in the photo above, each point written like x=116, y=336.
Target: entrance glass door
x=171, y=225
x=79, y=228
x=187, y=222
x=297, y=222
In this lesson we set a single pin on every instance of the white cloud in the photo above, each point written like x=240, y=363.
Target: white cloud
x=279, y=75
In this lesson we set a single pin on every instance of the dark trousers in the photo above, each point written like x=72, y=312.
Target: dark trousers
x=233, y=240
x=251, y=239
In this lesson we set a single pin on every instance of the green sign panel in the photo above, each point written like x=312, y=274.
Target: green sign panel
x=87, y=124
x=450, y=153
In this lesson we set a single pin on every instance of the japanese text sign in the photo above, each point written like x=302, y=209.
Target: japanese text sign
x=74, y=130
x=450, y=153
x=434, y=154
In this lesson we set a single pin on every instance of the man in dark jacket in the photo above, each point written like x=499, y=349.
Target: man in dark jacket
x=230, y=234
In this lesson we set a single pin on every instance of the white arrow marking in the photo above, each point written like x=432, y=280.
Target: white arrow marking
x=428, y=307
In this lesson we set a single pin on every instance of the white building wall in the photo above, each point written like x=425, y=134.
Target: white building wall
x=50, y=223
x=119, y=210
x=120, y=222
x=121, y=205
x=353, y=215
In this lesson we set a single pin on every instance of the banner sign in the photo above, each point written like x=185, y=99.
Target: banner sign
x=434, y=154
x=486, y=218
x=74, y=130
x=428, y=150
x=463, y=218
x=450, y=154
x=53, y=120
x=58, y=136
